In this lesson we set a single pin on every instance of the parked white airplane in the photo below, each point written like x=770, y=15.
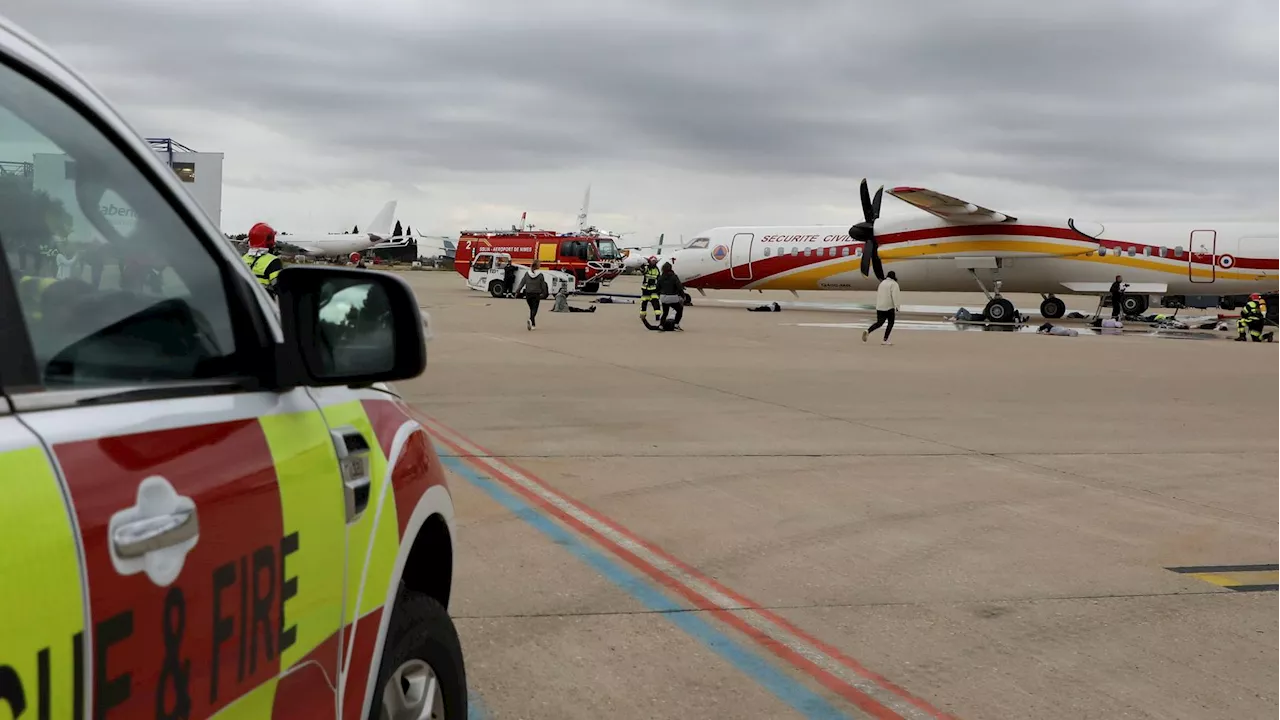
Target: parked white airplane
x=343, y=244
x=1208, y=264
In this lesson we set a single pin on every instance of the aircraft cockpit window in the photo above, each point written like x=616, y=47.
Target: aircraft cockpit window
x=1091, y=230
x=699, y=243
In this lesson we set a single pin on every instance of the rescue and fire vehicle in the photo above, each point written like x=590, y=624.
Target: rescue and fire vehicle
x=489, y=274
x=213, y=502
x=593, y=260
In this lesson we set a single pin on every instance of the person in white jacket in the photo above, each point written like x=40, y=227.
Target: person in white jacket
x=888, y=302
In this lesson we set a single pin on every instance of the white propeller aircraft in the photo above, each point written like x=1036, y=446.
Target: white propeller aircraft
x=959, y=245
x=378, y=231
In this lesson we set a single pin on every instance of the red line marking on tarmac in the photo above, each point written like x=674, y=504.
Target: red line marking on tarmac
x=905, y=704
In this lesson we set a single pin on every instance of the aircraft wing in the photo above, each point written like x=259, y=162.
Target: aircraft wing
x=949, y=208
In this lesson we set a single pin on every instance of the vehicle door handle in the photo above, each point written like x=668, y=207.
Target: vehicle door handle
x=353, y=461
x=137, y=538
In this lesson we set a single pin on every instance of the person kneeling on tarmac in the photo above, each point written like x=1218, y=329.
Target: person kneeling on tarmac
x=1253, y=319
x=671, y=295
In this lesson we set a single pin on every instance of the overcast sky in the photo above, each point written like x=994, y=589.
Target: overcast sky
x=687, y=115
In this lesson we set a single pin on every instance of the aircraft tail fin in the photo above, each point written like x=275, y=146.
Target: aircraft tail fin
x=382, y=222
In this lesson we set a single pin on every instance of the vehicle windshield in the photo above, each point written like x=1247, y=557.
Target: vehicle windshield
x=608, y=250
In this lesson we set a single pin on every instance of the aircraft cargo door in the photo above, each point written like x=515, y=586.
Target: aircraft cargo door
x=740, y=256
x=1202, y=262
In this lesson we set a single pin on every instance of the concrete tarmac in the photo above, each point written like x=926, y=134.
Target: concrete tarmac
x=754, y=518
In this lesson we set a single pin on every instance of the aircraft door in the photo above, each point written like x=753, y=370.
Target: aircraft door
x=1202, y=255
x=740, y=256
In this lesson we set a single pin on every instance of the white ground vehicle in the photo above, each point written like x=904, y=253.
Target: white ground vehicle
x=488, y=274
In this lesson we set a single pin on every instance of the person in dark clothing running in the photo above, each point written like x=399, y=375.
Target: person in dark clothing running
x=534, y=287
x=671, y=295
x=1117, y=297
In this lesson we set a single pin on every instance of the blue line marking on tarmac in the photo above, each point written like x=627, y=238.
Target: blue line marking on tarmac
x=475, y=707
x=785, y=688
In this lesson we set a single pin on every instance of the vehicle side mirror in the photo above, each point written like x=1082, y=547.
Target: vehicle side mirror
x=344, y=326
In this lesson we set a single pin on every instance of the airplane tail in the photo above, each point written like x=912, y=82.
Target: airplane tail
x=382, y=222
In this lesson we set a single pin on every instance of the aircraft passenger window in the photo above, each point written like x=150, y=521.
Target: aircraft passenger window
x=114, y=287
x=1132, y=251
x=1102, y=251
x=1177, y=251
x=1146, y=251
x=857, y=252
x=808, y=252
x=794, y=250
x=844, y=251
x=766, y=252
x=1164, y=252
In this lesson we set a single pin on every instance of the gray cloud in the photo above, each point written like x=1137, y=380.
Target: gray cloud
x=1124, y=105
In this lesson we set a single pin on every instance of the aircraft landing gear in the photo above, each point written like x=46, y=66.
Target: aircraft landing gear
x=998, y=309
x=1052, y=308
x=1134, y=304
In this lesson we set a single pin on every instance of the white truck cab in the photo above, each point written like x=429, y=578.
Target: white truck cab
x=489, y=269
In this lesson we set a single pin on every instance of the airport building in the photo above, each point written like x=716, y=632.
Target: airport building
x=200, y=173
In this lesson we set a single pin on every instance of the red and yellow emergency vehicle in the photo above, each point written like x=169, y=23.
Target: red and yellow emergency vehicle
x=213, y=502
x=593, y=260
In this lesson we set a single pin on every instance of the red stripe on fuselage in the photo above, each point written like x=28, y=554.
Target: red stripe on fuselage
x=765, y=267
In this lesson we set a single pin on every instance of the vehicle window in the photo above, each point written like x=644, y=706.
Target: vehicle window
x=481, y=263
x=114, y=287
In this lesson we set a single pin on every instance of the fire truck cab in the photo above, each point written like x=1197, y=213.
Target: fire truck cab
x=489, y=269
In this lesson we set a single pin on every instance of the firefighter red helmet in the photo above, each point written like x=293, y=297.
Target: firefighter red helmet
x=1256, y=296
x=653, y=259
x=262, y=235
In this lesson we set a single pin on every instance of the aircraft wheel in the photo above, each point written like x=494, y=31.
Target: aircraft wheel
x=496, y=288
x=1134, y=304
x=1052, y=308
x=1000, y=311
x=688, y=300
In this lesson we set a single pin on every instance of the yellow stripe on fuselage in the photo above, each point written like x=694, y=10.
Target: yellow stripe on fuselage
x=808, y=276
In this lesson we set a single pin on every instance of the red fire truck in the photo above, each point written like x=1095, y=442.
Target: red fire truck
x=593, y=260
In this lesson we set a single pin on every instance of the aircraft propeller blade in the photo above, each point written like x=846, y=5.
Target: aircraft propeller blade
x=865, y=231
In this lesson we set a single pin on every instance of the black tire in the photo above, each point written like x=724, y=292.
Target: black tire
x=688, y=299
x=591, y=287
x=1134, y=304
x=1000, y=311
x=421, y=629
x=497, y=288
x=1053, y=308
x=1227, y=303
